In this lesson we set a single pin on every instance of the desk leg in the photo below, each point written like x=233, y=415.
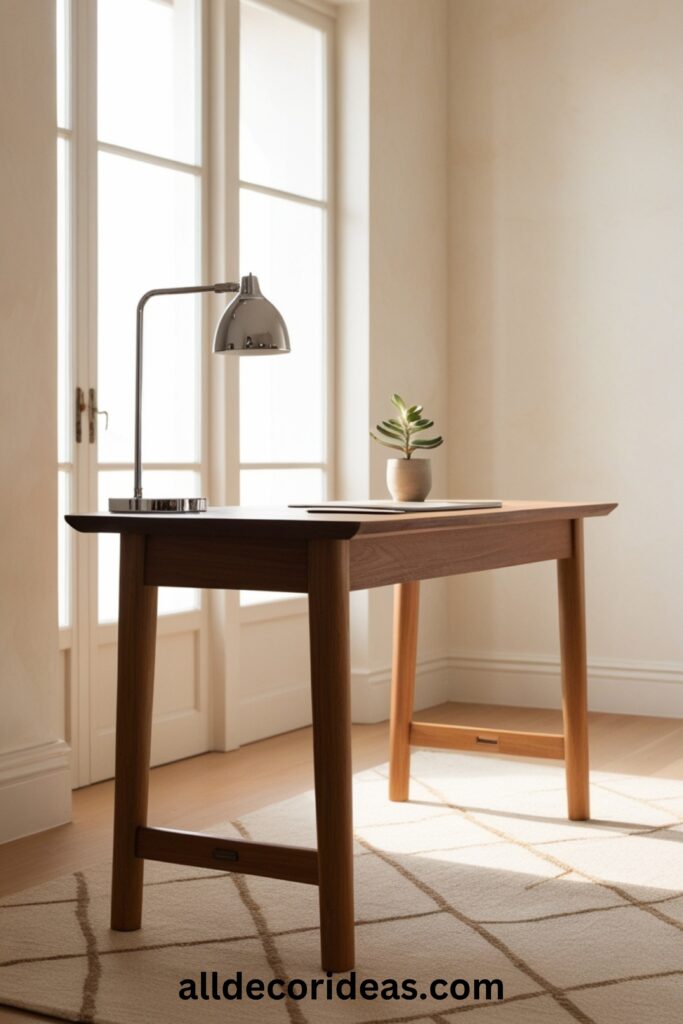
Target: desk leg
x=328, y=604
x=136, y=648
x=574, y=675
x=406, y=606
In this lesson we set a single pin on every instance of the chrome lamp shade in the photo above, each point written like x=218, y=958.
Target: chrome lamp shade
x=250, y=326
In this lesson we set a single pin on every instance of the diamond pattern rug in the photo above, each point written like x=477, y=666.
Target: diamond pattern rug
x=479, y=876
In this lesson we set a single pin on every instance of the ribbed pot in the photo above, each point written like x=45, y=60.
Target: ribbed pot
x=409, y=479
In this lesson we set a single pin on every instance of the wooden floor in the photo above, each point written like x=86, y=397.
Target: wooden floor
x=201, y=791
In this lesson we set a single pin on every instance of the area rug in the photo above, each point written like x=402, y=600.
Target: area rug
x=477, y=897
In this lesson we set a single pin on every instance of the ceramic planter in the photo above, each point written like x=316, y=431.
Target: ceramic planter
x=409, y=479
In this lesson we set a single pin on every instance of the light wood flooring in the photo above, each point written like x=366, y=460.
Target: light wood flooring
x=201, y=791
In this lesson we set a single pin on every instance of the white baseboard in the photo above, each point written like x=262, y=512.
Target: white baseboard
x=524, y=680
x=370, y=691
x=529, y=680
x=280, y=711
x=269, y=714
x=35, y=789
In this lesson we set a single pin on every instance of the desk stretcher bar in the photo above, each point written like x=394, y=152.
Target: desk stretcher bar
x=199, y=850
x=483, y=741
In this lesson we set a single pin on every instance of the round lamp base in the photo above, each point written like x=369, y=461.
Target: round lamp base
x=157, y=505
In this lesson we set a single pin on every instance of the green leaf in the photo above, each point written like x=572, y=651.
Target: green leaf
x=433, y=442
x=393, y=425
x=416, y=428
x=397, y=447
x=400, y=431
x=394, y=434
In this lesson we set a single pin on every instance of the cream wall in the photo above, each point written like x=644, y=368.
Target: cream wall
x=408, y=265
x=34, y=770
x=392, y=287
x=352, y=335
x=566, y=329
x=391, y=335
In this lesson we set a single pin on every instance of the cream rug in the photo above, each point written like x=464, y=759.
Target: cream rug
x=478, y=877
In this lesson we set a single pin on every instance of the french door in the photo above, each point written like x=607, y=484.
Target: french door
x=131, y=209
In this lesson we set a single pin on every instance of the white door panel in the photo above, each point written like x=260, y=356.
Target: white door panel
x=130, y=186
x=180, y=717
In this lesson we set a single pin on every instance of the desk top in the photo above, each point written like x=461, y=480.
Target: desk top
x=282, y=522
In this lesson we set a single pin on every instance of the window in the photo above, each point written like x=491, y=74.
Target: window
x=130, y=218
x=149, y=234
x=132, y=213
x=285, y=186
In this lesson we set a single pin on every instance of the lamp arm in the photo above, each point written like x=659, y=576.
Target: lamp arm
x=227, y=286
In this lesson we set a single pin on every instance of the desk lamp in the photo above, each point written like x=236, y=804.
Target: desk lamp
x=249, y=326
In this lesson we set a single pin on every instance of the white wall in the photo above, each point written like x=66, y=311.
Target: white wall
x=393, y=305
x=391, y=335
x=34, y=769
x=566, y=234
x=352, y=336
x=408, y=272
x=510, y=215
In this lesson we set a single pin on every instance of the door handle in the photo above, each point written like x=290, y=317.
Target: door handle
x=79, y=408
x=93, y=413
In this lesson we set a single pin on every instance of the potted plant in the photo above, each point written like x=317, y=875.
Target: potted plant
x=408, y=479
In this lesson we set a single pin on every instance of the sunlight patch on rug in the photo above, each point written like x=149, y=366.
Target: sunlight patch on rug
x=478, y=876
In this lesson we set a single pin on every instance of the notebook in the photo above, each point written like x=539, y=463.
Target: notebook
x=395, y=507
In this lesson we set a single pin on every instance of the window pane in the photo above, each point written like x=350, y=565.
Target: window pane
x=147, y=76
x=64, y=349
x=282, y=102
x=280, y=486
x=64, y=534
x=148, y=238
x=282, y=400
x=277, y=487
x=63, y=21
x=167, y=483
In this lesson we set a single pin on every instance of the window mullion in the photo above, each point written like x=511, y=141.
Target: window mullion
x=278, y=193
x=286, y=202
x=150, y=158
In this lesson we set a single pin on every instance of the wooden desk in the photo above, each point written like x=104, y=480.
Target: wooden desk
x=326, y=557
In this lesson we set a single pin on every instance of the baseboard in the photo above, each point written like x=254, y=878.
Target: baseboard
x=281, y=711
x=35, y=789
x=268, y=714
x=524, y=680
x=529, y=680
x=370, y=691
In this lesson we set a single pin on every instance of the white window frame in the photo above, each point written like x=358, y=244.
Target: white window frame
x=77, y=641
x=220, y=187
x=319, y=16
x=84, y=148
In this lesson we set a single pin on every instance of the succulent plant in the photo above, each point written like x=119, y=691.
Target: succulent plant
x=400, y=433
